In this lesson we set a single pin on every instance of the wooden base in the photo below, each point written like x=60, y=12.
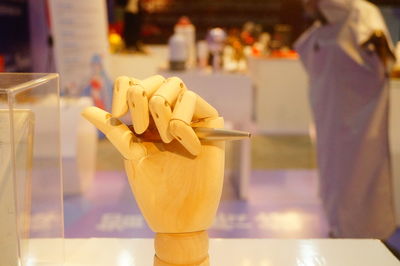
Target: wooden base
x=189, y=249
x=158, y=262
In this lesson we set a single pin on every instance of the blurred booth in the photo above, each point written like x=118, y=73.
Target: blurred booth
x=281, y=95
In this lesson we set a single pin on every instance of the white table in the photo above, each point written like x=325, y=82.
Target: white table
x=281, y=96
x=223, y=252
x=232, y=95
x=138, y=65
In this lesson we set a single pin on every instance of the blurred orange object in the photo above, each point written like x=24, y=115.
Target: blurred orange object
x=396, y=72
x=255, y=51
x=116, y=42
x=2, y=64
x=284, y=54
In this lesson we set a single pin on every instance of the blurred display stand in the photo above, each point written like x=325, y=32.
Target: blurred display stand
x=79, y=146
x=81, y=49
x=232, y=96
x=232, y=252
x=281, y=95
x=31, y=200
x=394, y=135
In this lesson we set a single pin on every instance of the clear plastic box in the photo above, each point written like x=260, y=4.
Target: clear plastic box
x=31, y=199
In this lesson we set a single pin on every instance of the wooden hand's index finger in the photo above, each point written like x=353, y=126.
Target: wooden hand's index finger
x=120, y=95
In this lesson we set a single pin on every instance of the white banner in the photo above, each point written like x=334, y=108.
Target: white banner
x=79, y=30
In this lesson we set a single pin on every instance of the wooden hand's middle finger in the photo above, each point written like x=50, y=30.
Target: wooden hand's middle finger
x=138, y=101
x=161, y=104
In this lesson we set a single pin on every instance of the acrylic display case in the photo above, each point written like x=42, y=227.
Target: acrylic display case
x=31, y=204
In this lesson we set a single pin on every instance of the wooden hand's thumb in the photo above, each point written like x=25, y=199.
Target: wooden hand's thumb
x=117, y=133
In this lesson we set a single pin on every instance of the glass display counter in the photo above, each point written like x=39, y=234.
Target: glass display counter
x=31, y=204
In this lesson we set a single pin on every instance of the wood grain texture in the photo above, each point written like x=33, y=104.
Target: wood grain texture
x=178, y=194
x=181, y=249
x=176, y=191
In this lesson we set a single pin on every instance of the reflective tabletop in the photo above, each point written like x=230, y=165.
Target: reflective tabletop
x=223, y=252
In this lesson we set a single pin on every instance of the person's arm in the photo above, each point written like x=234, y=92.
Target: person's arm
x=378, y=42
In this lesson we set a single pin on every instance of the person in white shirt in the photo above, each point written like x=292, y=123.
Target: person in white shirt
x=347, y=53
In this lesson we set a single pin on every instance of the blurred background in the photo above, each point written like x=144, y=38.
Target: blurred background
x=238, y=55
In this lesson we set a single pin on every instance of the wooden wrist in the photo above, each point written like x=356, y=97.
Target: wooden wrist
x=190, y=249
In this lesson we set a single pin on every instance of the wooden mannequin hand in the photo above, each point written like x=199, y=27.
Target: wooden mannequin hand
x=178, y=184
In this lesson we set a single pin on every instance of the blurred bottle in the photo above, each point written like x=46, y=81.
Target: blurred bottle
x=216, y=41
x=264, y=43
x=202, y=54
x=188, y=31
x=177, y=52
